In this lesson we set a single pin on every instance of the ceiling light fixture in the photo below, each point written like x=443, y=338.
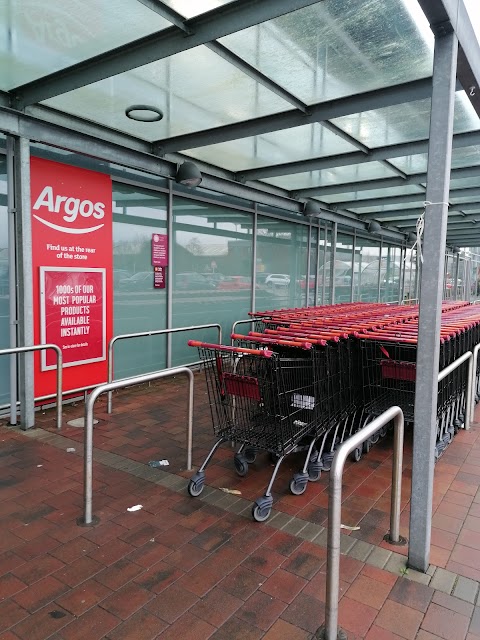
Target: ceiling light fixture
x=144, y=113
x=188, y=174
x=374, y=227
x=311, y=208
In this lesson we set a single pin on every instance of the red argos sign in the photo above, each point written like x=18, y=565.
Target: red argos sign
x=72, y=272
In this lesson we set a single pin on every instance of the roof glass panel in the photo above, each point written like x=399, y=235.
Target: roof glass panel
x=337, y=175
x=462, y=157
x=310, y=51
x=377, y=193
x=287, y=145
x=464, y=199
x=389, y=207
x=463, y=183
x=404, y=122
x=195, y=89
x=38, y=37
x=190, y=8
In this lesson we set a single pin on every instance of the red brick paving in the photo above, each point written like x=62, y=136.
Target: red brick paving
x=185, y=569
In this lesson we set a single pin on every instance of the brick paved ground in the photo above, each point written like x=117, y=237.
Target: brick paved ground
x=200, y=568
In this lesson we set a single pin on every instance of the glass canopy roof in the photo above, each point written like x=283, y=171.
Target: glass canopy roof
x=300, y=95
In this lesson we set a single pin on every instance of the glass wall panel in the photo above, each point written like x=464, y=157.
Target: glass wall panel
x=312, y=286
x=367, y=265
x=390, y=270
x=4, y=290
x=212, y=271
x=410, y=274
x=324, y=262
x=343, y=268
x=282, y=258
x=138, y=214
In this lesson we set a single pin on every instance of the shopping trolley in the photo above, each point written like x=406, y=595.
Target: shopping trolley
x=259, y=399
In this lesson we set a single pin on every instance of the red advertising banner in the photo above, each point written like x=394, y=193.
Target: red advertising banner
x=72, y=272
x=73, y=314
x=159, y=250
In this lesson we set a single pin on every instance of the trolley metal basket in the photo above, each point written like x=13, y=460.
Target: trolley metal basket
x=261, y=400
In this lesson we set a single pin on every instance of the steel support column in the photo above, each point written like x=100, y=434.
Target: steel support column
x=12, y=276
x=170, y=274
x=431, y=284
x=24, y=272
x=332, y=264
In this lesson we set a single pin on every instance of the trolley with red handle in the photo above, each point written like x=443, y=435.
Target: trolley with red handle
x=261, y=400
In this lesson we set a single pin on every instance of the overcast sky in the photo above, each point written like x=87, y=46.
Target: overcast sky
x=473, y=8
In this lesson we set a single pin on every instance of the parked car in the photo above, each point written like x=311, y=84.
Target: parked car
x=303, y=282
x=234, y=283
x=139, y=281
x=192, y=281
x=277, y=280
x=215, y=278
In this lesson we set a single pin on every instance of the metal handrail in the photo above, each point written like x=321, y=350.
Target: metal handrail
x=330, y=631
x=468, y=355
x=142, y=334
x=474, y=367
x=235, y=325
x=88, y=442
x=41, y=347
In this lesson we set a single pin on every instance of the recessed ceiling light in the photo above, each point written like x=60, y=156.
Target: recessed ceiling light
x=144, y=113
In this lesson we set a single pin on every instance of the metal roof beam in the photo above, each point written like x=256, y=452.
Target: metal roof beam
x=472, y=192
x=385, y=97
x=206, y=27
x=460, y=140
x=382, y=183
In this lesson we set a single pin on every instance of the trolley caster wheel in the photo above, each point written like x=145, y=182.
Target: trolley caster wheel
x=196, y=484
x=262, y=508
x=367, y=445
x=383, y=431
x=375, y=438
x=449, y=435
x=241, y=465
x=298, y=484
x=250, y=455
x=314, y=471
x=274, y=458
x=357, y=454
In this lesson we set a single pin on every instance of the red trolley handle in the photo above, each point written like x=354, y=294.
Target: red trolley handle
x=220, y=347
x=283, y=343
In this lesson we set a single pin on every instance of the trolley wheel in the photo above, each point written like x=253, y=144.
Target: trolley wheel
x=383, y=431
x=298, y=484
x=367, y=445
x=357, y=454
x=449, y=436
x=375, y=438
x=262, y=508
x=196, y=484
x=314, y=471
x=274, y=458
x=241, y=465
x=250, y=455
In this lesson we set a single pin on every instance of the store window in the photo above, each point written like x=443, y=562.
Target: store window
x=138, y=306
x=212, y=271
x=281, y=269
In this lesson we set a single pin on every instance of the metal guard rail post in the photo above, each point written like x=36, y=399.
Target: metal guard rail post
x=330, y=630
x=468, y=355
x=159, y=332
x=238, y=322
x=42, y=347
x=88, y=519
x=474, y=367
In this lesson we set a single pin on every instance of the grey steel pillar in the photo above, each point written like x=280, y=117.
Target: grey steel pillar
x=431, y=286
x=23, y=229
x=332, y=263
x=455, y=279
x=354, y=248
x=403, y=259
x=253, y=301
x=12, y=276
x=170, y=274
x=309, y=263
